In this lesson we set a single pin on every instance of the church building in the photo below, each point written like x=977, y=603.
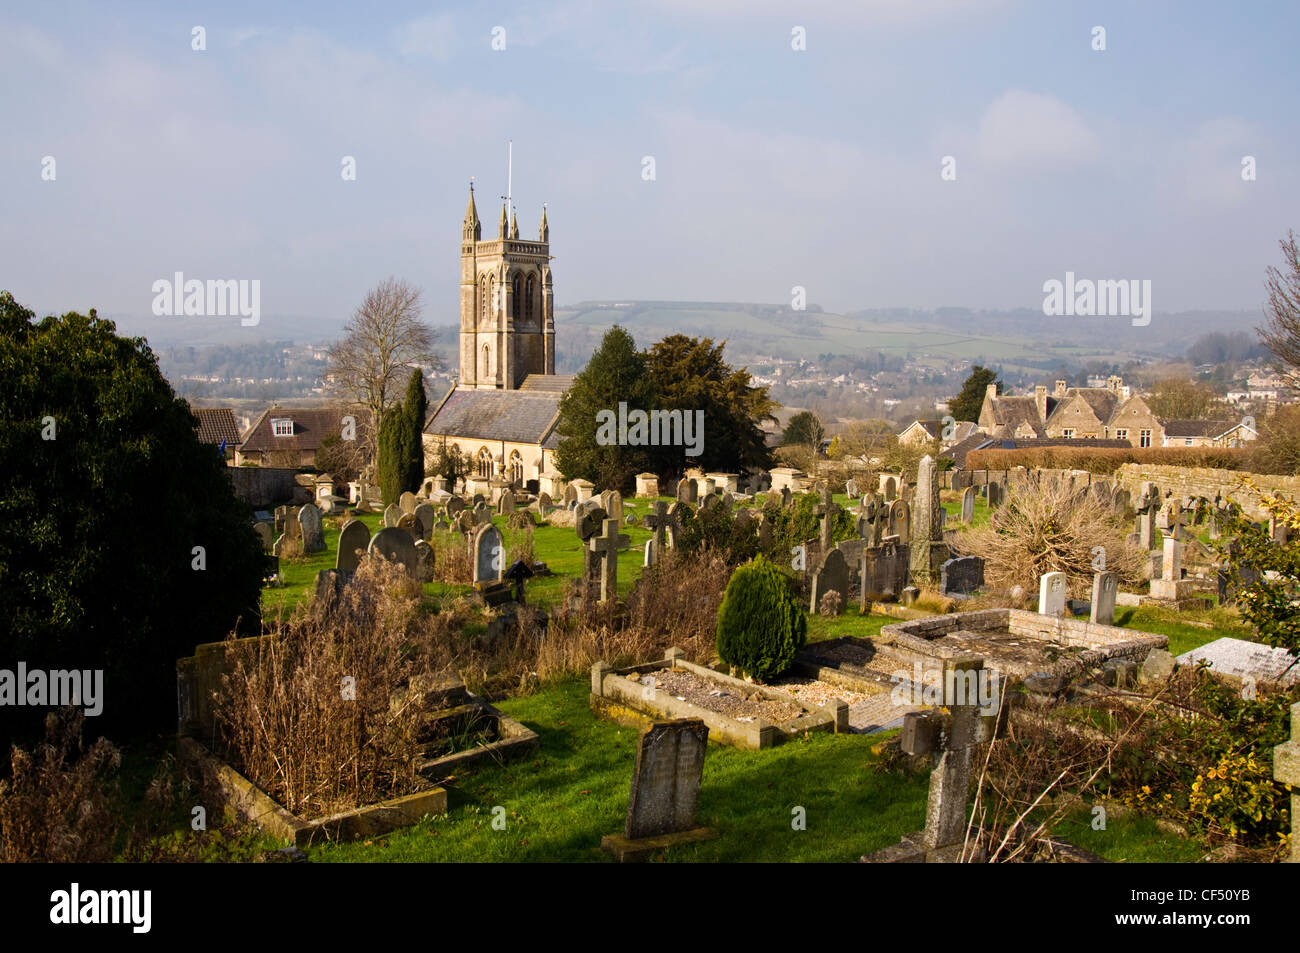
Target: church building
x=504, y=406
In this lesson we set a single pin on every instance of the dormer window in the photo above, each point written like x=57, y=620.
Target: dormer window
x=282, y=427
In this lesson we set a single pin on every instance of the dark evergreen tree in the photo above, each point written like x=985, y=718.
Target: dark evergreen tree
x=416, y=409
x=122, y=542
x=966, y=405
x=760, y=622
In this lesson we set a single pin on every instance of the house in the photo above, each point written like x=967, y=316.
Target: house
x=290, y=437
x=1207, y=433
x=217, y=426
x=1136, y=423
x=921, y=432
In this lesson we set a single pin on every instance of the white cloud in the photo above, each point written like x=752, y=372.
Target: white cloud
x=430, y=37
x=1021, y=127
x=1210, y=160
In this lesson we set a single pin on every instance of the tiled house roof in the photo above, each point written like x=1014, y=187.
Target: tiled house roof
x=311, y=425
x=217, y=424
x=1198, y=428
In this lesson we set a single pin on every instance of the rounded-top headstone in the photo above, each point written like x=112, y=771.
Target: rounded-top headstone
x=354, y=539
x=396, y=545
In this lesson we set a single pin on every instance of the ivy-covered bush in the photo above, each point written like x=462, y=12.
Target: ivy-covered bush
x=760, y=623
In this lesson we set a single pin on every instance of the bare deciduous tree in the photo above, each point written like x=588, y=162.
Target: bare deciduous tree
x=384, y=340
x=1281, y=332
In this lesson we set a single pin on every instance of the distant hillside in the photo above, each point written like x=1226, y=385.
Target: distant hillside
x=1021, y=339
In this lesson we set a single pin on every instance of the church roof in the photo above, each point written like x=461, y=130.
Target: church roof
x=549, y=383
x=515, y=416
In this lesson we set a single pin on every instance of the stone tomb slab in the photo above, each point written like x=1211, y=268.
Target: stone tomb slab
x=1018, y=643
x=738, y=713
x=1240, y=660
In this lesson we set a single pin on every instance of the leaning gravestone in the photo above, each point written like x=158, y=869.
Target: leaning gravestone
x=968, y=504
x=392, y=513
x=506, y=504
x=851, y=488
x=427, y=516
x=831, y=576
x=665, y=790
x=1051, y=594
x=454, y=507
x=407, y=502
x=353, y=541
x=489, y=554
x=313, y=531
x=396, y=545
x=423, y=561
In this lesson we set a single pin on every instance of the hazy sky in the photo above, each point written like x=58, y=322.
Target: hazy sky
x=774, y=167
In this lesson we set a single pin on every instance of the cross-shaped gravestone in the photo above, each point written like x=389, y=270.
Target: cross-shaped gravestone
x=517, y=573
x=659, y=522
x=827, y=509
x=1147, y=507
x=606, y=547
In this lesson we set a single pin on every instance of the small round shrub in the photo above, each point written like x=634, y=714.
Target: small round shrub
x=760, y=623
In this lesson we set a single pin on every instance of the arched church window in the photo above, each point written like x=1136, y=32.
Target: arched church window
x=487, y=362
x=517, y=292
x=516, y=467
x=529, y=291
x=484, y=463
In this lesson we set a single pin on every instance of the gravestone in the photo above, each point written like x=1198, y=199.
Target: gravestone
x=611, y=501
x=659, y=522
x=481, y=513
x=827, y=510
x=544, y=502
x=899, y=521
x=968, y=505
x=1147, y=508
x=665, y=790
x=264, y=536
x=889, y=488
x=354, y=540
x=1105, y=589
x=507, y=502
x=1051, y=594
x=488, y=554
x=831, y=575
x=408, y=522
x=423, y=561
x=851, y=487
x=961, y=576
x=995, y=494
x=570, y=495
x=313, y=531
x=392, y=513
x=884, y=570
x=427, y=516
x=407, y=502
x=455, y=506
x=395, y=545
x=605, y=548
x=686, y=490
x=1286, y=770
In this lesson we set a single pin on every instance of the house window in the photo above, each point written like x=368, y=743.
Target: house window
x=1121, y=434
x=282, y=428
x=1187, y=442
x=1144, y=438
x=1068, y=433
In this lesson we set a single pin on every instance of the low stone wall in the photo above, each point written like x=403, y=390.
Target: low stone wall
x=1201, y=481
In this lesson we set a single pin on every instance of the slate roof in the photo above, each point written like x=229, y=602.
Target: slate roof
x=932, y=427
x=550, y=383
x=515, y=416
x=217, y=424
x=311, y=425
x=1013, y=411
x=1101, y=400
x=1198, y=428
x=958, y=451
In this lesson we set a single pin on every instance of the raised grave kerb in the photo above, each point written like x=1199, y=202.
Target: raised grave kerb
x=615, y=696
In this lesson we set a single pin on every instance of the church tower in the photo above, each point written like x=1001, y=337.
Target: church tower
x=507, y=317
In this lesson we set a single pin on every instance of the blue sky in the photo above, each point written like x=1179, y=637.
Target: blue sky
x=774, y=167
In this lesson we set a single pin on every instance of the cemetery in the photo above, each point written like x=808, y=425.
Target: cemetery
x=523, y=652
x=896, y=600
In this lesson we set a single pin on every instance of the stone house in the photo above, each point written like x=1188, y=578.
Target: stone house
x=291, y=436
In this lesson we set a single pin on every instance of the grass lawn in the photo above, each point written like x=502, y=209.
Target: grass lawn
x=558, y=806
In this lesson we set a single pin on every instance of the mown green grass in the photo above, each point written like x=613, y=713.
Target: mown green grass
x=1183, y=636
x=560, y=803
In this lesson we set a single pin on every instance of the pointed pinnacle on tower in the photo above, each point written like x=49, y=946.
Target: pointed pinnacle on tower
x=544, y=230
x=503, y=225
x=514, y=225
x=471, y=227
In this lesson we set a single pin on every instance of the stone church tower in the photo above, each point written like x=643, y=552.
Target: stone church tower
x=507, y=317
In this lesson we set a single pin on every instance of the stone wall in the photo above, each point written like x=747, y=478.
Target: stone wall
x=264, y=486
x=1199, y=481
